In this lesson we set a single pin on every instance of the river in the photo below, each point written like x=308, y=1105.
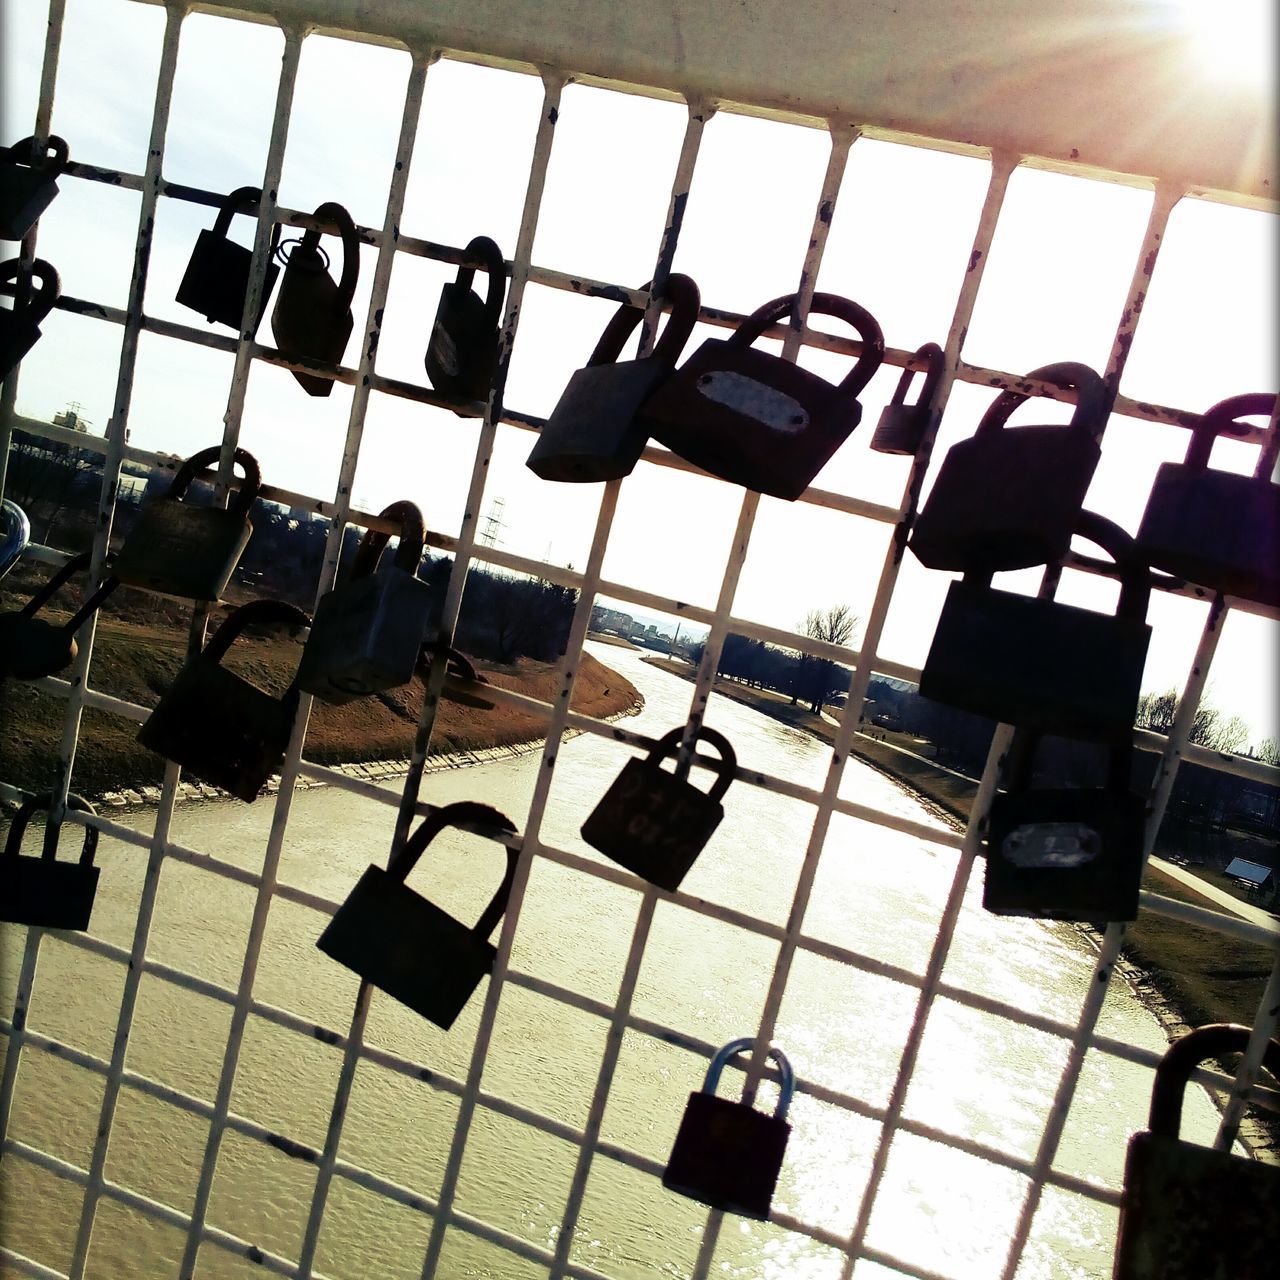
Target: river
x=877, y=892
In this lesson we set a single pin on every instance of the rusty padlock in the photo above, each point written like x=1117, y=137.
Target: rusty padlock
x=312, y=318
x=41, y=889
x=218, y=726
x=1039, y=663
x=1008, y=497
x=179, y=549
x=463, y=683
x=463, y=350
x=216, y=280
x=656, y=824
x=28, y=183
x=902, y=426
x=406, y=945
x=755, y=419
x=727, y=1154
x=1190, y=1212
x=597, y=430
x=367, y=633
x=20, y=324
x=1065, y=853
x=1217, y=529
x=32, y=647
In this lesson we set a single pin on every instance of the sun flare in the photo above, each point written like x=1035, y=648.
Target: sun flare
x=1230, y=40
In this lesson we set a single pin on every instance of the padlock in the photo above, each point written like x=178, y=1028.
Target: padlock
x=727, y=1154
x=597, y=429
x=1065, y=853
x=463, y=351
x=20, y=325
x=216, y=280
x=1190, y=1212
x=218, y=726
x=1008, y=497
x=407, y=946
x=27, y=185
x=41, y=889
x=179, y=549
x=1216, y=528
x=32, y=647
x=758, y=420
x=902, y=426
x=15, y=534
x=367, y=633
x=462, y=682
x=312, y=318
x=656, y=824
x=1041, y=664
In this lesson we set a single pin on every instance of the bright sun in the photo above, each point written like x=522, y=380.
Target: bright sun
x=1233, y=40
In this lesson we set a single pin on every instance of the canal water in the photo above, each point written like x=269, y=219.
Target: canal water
x=878, y=892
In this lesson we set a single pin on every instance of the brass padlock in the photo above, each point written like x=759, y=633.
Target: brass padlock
x=463, y=351
x=1065, y=853
x=1190, y=1212
x=28, y=182
x=32, y=647
x=656, y=824
x=179, y=549
x=407, y=946
x=597, y=430
x=312, y=318
x=758, y=420
x=1039, y=663
x=367, y=633
x=727, y=1154
x=42, y=890
x=218, y=726
x=1217, y=529
x=902, y=426
x=216, y=281
x=20, y=325
x=1008, y=497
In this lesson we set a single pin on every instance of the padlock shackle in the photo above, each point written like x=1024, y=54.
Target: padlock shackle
x=933, y=354
x=1223, y=418
x=404, y=859
x=207, y=459
x=669, y=744
x=256, y=613
x=828, y=304
x=1090, y=397
x=1135, y=572
x=243, y=200
x=39, y=306
x=1174, y=1070
x=333, y=212
x=52, y=163
x=787, y=1084
x=458, y=665
x=92, y=602
x=495, y=267
x=685, y=299
x=413, y=537
x=37, y=804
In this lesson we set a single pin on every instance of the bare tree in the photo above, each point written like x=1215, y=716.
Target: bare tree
x=836, y=624
x=1209, y=727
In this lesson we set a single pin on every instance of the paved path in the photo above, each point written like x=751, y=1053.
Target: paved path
x=1220, y=897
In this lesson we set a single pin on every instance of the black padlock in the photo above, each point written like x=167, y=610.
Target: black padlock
x=1190, y=1212
x=902, y=426
x=463, y=351
x=1065, y=853
x=32, y=647
x=758, y=420
x=218, y=726
x=180, y=549
x=367, y=633
x=656, y=824
x=20, y=325
x=1216, y=528
x=407, y=946
x=312, y=318
x=1008, y=497
x=1041, y=664
x=42, y=890
x=28, y=183
x=216, y=280
x=597, y=429
x=727, y=1154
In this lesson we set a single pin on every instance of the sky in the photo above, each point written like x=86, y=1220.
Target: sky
x=899, y=245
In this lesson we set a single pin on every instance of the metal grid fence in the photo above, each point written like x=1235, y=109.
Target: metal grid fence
x=1080, y=1036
